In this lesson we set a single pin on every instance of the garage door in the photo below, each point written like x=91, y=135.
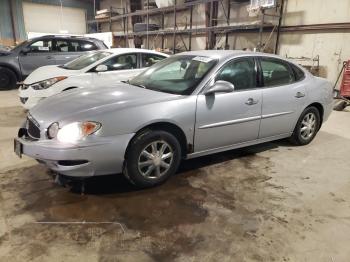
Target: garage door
x=47, y=19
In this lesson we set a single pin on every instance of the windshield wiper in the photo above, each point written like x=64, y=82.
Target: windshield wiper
x=138, y=85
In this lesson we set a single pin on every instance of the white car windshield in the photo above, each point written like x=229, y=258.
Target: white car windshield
x=85, y=60
x=179, y=74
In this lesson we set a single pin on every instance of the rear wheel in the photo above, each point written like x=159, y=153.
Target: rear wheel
x=8, y=79
x=307, y=126
x=152, y=157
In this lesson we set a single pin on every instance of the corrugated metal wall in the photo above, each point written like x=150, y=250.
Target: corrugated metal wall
x=6, y=28
x=8, y=37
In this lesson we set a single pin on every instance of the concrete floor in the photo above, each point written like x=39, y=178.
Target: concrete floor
x=272, y=202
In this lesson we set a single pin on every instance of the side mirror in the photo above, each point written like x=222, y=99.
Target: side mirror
x=101, y=68
x=220, y=86
x=25, y=50
x=183, y=65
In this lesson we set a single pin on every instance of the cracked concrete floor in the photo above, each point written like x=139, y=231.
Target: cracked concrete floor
x=272, y=202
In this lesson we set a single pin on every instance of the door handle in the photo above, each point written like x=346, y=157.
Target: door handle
x=49, y=57
x=251, y=101
x=299, y=95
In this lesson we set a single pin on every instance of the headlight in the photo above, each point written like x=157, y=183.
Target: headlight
x=47, y=83
x=76, y=131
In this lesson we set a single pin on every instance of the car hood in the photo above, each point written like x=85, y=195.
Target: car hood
x=47, y=72
x=80, y=103
x=4, y=52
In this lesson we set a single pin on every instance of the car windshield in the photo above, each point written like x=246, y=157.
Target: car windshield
x=85, y=60
x=177, y=75
x=19, y=46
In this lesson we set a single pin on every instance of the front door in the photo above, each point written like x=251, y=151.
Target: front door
x=230, y=118
x=40, y=54
x=284, y=98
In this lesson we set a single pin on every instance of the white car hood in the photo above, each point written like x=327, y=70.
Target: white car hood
x=47, y=72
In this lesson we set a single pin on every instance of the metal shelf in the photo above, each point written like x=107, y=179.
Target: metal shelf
x=211, y=28
x=215, y=29
x=152, y=12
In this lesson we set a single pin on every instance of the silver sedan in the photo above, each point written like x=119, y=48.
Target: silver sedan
x=189, y=105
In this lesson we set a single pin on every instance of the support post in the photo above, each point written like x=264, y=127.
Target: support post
x=174, y=36
x=279, y=27
x=163, y=29
x=210, y=35
x=13, y=21
x=147, y=24
x=110, y=19
x=261, y=30
x=228, y=23
x=190, y=34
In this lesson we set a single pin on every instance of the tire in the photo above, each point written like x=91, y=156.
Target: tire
x=8, y=79
x=144, y=165
x=308, y=116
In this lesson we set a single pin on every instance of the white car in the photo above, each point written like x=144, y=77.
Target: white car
x=96, y=69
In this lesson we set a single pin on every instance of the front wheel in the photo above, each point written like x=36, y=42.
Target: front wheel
x=307, y=126
x=8, y=79
x=152, y=157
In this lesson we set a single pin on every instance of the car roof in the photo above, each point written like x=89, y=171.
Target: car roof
x=129, y=50
x=223, y=54
x=65, y=37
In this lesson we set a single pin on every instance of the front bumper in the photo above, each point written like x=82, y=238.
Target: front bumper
x=30, y=97
x=104, y=155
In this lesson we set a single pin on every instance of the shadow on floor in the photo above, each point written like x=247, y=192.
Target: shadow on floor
x=117, y=183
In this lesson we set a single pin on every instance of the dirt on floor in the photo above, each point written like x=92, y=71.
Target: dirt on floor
x=272, y=202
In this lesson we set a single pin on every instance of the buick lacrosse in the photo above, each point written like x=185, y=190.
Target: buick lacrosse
x=189, y=105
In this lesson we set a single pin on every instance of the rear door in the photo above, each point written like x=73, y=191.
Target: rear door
x=69, y=49
x=284, y=97
x=40, y=53
x=120, y=68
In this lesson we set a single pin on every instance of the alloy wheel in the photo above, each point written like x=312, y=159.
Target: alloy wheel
x=155, y=159
x=308, y=126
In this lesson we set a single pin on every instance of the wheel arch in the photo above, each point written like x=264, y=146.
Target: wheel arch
x=69, y=88
x=320, y=109
x=13, y=69
x=168, y=127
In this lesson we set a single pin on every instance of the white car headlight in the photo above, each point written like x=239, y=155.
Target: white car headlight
x=47, y=83
x=75, y=131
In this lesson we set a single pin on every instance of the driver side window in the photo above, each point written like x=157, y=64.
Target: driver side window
x=41, y=46
x=240, y=72
x=122, y=62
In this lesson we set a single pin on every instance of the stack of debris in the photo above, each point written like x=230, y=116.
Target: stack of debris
x=142, y=27
x=105, y=13
x=149, y=4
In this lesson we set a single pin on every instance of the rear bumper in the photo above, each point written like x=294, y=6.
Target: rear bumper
x=100, y=157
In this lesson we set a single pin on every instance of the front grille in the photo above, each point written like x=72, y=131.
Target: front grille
x=33, y=127
x=23, y=99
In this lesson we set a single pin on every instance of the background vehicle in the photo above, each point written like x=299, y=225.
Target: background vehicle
x=18, y=63
x=96, y=69
x=189, y=105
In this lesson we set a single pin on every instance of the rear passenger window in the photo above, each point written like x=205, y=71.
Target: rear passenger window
x=86, y=46
x=276, y=73
x=150, y=59
x=299, y=74
x=241, y=73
